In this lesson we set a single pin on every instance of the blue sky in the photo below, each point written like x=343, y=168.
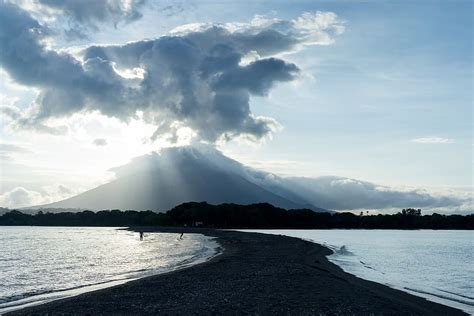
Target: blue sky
x=389, y=101
x=401, y=71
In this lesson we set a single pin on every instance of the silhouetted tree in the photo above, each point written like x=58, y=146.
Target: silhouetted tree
x=411, y=212
x=262, y=215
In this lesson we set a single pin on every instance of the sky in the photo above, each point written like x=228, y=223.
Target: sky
x=379, y=91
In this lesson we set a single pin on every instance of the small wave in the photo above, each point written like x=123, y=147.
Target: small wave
x=457, y=294
x=5, y=301
x=9, y=259
x=344, y=251
x=208, y=249
x=446, y=297
x=206, y=253
x=367, y=265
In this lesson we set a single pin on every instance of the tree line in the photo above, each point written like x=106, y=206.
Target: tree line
x=262, y=215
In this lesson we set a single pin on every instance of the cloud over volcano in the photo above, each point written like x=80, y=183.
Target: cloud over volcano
x=200, y=76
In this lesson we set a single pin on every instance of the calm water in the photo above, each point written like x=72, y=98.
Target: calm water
x=39, y=264
x=438, y=265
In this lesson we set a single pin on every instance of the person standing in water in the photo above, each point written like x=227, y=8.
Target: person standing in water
x=141, y=235
x=181, y=237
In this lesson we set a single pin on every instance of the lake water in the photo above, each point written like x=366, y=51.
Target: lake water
x=437, y=265
x=40, y=264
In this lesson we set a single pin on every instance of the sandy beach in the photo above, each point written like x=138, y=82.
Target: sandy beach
x=255, y=274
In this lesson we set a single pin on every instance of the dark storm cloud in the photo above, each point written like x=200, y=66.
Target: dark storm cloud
x=199, y=77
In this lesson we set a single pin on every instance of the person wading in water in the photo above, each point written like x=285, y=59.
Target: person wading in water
x=141, y=235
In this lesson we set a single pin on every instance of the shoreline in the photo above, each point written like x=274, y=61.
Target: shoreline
x=65, y=293
x=256, y=274
x=440, y=295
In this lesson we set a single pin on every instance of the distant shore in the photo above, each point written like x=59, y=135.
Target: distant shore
x=256, y=274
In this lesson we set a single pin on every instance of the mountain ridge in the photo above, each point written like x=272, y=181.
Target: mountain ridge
x=160, y=181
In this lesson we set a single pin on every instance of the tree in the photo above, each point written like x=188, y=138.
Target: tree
x=411, y=212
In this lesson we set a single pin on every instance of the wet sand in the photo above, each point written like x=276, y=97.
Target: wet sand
x=256, y=274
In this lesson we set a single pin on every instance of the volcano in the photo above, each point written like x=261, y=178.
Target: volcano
x=162, y=180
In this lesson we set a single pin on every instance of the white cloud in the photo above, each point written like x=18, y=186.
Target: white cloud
x=329, y=192
x=77, y=18
x=340, y=193
x=7, y=101
x=13, y=148
x=8, y=151
x=100, y=142
x=433, y=140
x=20, y=197
x=193, y=79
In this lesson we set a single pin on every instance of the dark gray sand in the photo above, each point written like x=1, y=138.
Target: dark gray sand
x=256, y=274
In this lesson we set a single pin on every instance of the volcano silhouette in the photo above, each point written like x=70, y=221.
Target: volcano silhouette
x=160, y=181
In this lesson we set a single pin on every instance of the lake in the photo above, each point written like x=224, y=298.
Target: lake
x=435, y=264
x=40, y=264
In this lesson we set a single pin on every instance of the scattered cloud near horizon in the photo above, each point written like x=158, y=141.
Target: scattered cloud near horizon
x=19, y=197
x=9, y=151
x=330, y=192
x=100, y=142
x=200, y=77
x=340, y=193
x=12, y=148
x=433, y=140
